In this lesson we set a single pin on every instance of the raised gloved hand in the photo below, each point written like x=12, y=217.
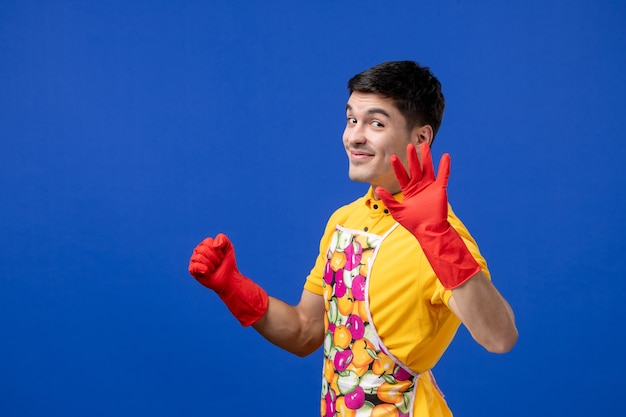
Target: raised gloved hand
x=424, y=213
x=214, y=265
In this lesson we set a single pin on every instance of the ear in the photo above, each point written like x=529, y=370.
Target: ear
x=422, y=134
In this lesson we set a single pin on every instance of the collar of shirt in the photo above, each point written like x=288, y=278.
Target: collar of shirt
x=377, y=205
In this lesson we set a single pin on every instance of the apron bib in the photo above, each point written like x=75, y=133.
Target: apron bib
x=360, y=377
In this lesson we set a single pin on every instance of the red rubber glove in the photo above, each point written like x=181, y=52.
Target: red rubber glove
x=214, y=265
x=424, y=213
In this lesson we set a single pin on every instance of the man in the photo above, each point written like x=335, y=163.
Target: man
x=397, y=271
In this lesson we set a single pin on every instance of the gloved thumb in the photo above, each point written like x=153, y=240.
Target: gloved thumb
x=222, y=245
x=386, y=198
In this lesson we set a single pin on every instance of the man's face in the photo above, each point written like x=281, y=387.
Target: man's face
x=375, y=130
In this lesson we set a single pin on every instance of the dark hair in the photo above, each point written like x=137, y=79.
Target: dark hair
x=415, y=90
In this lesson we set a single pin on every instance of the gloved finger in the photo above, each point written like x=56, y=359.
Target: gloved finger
x=444, y=170
x=205, y=252
x=199, y=269
x=209, y=258
x=414, y=163
x=428, y=170
x=206, y=243
x=401, y=175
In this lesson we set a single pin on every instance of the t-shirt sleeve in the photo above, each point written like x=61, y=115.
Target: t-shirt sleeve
x=313, y=281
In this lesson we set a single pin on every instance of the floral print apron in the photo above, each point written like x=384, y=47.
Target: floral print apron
x=360, y=376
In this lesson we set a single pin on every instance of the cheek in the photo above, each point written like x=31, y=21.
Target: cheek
x=398, y=151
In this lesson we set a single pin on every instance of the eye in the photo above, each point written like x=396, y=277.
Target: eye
x=351, y=120
x=376, y=123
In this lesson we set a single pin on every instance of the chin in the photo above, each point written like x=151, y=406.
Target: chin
x=358, y=178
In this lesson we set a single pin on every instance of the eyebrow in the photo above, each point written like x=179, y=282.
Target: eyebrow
x=373, y=110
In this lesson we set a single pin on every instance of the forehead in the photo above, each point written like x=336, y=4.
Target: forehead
x=370, y=103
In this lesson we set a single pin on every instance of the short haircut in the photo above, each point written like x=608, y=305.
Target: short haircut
x=415, y=90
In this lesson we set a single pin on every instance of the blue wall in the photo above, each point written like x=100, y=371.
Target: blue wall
x=129, y=131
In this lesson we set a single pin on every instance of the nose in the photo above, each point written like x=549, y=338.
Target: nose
x=354, y=134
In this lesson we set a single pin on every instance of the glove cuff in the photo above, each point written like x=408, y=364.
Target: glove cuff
x=245, y=299
x=448, y=256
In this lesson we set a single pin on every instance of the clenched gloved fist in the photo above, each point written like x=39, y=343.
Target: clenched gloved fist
x=213, y=264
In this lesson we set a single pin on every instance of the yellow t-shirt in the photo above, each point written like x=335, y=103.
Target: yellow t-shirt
x=408, y=304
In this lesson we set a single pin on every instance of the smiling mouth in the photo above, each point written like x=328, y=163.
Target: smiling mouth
x=358, y=154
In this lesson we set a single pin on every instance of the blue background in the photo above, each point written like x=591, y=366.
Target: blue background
x=132, y=130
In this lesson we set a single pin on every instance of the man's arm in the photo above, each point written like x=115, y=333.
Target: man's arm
x=298, y=329
x=485, y=313
x=424, y=213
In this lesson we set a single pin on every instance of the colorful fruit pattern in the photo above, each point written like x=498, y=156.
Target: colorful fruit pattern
x=359, y=379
